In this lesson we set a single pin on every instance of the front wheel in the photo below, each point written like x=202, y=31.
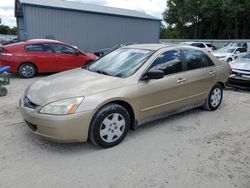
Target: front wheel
x=214, y=99
x=27, y=70
x=109, y=126
x=229, y=60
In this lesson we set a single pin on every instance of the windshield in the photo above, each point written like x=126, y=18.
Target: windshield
x=245, y=57
x=226, y=50
x=121, y=63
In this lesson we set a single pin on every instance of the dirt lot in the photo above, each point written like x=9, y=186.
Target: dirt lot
x=193, y=149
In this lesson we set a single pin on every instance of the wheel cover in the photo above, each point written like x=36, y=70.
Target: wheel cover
x=27, y=71
x=216, y=97
x=112, y=128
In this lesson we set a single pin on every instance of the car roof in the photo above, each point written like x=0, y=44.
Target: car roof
x=157, y=46
x=37, y=41
x=191, y=42
x=154, y=47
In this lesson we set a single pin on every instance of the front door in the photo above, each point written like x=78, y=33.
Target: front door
x=168, y=94
x=66, y=57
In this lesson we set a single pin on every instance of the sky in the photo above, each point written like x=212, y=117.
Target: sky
x=151, y=7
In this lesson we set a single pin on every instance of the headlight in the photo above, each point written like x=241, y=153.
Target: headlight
x=63, y=107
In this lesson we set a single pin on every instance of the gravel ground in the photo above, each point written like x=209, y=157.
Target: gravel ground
x=193, y=149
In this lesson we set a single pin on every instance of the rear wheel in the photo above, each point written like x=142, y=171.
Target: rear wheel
x=214, y=99
x=3, y=91
x=109, y=126
x=27, y=70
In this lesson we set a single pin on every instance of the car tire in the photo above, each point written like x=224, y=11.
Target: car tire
x=109, y=126
x=3, y=91
x=214, y=98
x=27, y=70
x=229, y=60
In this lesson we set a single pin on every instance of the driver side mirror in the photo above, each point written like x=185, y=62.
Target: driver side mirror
x=77, y=53
x=152, y=74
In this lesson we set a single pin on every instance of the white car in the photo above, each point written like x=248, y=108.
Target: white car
x=229, y=54
x=206, y=46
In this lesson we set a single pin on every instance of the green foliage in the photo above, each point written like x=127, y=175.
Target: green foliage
x=7, y=30
x=217, y=19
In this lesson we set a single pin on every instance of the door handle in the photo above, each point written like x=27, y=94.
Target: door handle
x=181, y=80
x=212, y=72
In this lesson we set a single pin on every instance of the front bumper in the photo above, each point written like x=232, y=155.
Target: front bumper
x=62, y=129
x=239, y=82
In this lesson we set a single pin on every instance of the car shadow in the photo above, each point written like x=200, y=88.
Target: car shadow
x=229, y=88
x=168, y=120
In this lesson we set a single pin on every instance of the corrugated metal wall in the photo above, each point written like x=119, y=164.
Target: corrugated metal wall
x=88, y=31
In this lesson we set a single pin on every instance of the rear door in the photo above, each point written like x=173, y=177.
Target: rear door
x=42, y=56
x=200, y=75
x=67, y=57
x=167, y=94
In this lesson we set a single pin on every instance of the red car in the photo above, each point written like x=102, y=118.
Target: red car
x=42, y=56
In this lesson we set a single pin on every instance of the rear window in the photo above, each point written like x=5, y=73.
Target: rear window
x=196, y=59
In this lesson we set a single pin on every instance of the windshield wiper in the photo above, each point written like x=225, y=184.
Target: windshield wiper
x=103, y=72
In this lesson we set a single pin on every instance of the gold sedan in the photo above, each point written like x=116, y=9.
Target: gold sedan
x=122, y=90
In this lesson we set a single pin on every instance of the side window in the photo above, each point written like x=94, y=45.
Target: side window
x=238, y=51
x=35, y=48
x=169, y=62
x=62, y=49
x=199, y=45
x=243, y=50
x=196, y=59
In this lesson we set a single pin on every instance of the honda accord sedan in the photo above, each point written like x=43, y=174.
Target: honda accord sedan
x=42, y=56
x=121, y=91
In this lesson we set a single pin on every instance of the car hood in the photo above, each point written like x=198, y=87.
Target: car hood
x=241, y=65
x=73, y=83
x=219, y=54
x=91, y=55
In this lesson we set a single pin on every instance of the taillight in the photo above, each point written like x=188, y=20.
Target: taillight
x=4, y=52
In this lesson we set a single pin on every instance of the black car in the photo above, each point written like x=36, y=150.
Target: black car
x=105, y=51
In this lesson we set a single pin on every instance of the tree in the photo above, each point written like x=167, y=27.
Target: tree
x=7, y=30
x=208, y=18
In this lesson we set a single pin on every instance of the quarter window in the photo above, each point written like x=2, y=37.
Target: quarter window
x=169, y=62
x=196, y=59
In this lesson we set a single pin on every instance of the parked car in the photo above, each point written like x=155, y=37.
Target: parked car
x=238, y=44
x=42, y=56
x=122, y=90
x=229, y=54
x=240, y=77
x=105, y=51
x=206, y=46
x=10, y=41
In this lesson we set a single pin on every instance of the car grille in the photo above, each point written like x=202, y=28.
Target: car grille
x=240, y=73
x=27, y=103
